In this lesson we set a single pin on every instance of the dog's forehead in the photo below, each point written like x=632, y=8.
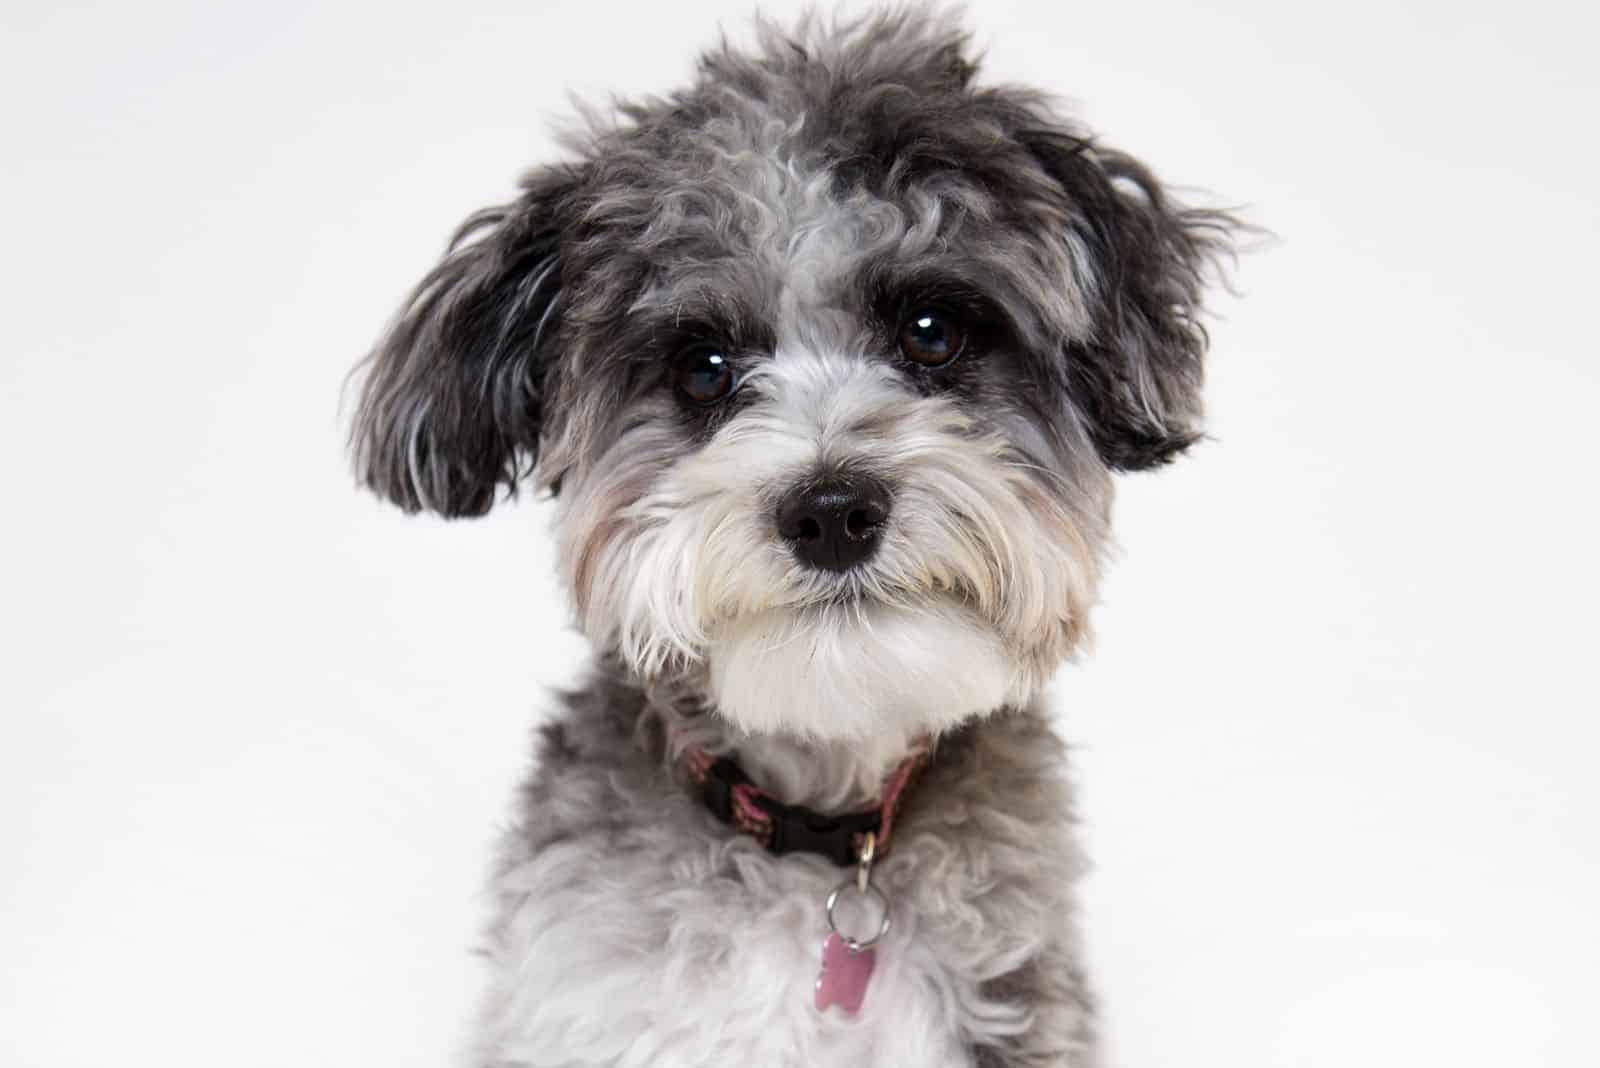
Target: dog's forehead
x=788, y=215
x=764, y=217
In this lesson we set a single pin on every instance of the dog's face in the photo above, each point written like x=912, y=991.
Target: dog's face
x=828, y=359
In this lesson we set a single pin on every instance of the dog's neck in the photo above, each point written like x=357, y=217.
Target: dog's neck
x=827, y=776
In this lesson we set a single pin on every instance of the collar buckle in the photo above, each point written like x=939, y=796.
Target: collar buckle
x=796, y=829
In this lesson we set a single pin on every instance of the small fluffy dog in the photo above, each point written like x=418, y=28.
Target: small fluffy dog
x=828, y=360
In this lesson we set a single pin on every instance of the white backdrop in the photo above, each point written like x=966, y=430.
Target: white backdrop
x=1336, y=745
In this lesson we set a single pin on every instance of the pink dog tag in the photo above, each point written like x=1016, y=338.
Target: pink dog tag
x=844, y=975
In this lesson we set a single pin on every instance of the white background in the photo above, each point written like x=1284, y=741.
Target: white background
x=1336, y=745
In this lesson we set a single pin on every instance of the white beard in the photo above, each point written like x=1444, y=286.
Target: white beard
x=979, y=589
x=866, y=674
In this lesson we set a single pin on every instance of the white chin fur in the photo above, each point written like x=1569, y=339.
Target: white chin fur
x=868, y=673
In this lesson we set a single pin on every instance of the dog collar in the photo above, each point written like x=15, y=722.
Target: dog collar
x=730, y=795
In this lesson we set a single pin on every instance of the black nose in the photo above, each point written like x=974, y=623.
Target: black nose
x=834, y=524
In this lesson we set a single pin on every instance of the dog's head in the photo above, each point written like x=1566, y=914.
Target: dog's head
x=829, y=359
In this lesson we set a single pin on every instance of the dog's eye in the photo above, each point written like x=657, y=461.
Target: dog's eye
x=932, y=337
x=704, y=375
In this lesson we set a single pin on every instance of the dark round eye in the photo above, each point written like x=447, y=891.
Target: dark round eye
x=932, y=337
x=704, y=375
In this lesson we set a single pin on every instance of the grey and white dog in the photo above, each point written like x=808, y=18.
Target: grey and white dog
x=828, y=360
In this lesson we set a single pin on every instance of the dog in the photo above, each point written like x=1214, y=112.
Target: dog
x=828, y=361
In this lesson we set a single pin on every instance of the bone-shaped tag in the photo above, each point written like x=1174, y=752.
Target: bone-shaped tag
x=844, y=975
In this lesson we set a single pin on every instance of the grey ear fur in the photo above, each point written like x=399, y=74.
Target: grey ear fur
x=451, y=405
x=1138, y=377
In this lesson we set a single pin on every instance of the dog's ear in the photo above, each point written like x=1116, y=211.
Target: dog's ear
x=1137, y=376
x=451, y=406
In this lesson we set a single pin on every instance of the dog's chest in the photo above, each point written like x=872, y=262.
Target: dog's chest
x=674, y=945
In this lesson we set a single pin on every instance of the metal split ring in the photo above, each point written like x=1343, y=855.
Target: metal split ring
x=869, y=849
x=855, y=945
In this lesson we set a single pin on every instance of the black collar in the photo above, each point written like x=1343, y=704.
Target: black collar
x=730, y=795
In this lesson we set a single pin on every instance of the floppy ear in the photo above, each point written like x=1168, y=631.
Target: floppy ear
x=1137, y=379
x=451, y=405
